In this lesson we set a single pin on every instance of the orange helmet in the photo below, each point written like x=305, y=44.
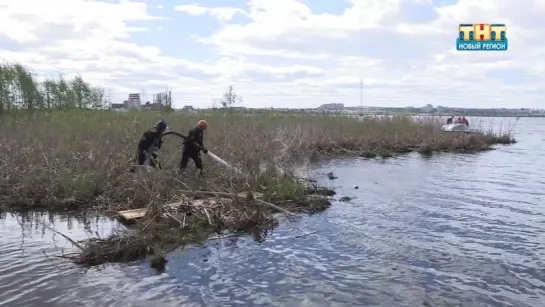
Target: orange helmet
x=202, y=124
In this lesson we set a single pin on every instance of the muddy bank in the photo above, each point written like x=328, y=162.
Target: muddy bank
x=197, y=217
x=462, y=143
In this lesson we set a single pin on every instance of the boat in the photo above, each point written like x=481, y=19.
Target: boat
x=455, y=128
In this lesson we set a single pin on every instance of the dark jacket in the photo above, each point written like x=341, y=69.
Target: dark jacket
x=150, y=138
x=195, y=139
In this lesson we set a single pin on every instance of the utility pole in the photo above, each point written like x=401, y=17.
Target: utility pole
x=361, y=93
x=109, y=98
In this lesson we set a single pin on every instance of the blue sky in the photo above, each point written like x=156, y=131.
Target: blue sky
x=283, y=53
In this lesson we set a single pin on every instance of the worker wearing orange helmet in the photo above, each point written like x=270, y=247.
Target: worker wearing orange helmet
x=193, y=144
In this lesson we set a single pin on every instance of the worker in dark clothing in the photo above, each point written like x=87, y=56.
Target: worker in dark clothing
x=193, y=145
x=150, y=143
x=450, y=119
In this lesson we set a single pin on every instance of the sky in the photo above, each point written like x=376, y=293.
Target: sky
x=284, y=53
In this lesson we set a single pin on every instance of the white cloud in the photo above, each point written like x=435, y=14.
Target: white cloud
x=286, y=55
x=414, y=49
x=220, y=13
x=26, y=21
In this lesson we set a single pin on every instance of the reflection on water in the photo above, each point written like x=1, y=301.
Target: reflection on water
x=451, y=230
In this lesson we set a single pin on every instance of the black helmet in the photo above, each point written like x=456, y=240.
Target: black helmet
x=161, y=125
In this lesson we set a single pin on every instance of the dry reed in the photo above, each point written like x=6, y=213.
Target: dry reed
x=79, y=159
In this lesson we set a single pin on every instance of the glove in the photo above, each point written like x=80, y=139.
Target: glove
x=205, y=150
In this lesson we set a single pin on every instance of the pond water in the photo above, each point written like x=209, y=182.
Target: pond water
x=451, y=230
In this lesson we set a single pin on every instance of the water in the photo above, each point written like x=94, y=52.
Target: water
x=453, y=230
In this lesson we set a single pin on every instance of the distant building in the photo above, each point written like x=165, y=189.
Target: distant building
x=133, y=102
x=118, y=106
x=188, y=109
x=428, y=108
x=155, y=106
x=332, y=106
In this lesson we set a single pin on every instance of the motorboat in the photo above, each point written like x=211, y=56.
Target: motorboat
x=455, y=128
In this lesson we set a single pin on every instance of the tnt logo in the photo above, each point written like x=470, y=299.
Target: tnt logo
x=482, y=36
x=482, y=32
x=466, y=32
x=498, y=32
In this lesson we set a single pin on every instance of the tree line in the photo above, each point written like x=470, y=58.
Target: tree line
x=21, y=89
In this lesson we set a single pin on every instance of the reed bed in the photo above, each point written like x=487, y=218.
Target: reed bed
x=79, y=159
x=75, y=159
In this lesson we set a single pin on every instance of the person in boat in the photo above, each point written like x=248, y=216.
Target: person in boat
x=193, y=145
x=450, y=119
x=465, y=121
x=458, y=120
x=149, y=145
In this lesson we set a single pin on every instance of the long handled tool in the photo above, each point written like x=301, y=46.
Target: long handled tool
x=210, y=154
x=221, y=161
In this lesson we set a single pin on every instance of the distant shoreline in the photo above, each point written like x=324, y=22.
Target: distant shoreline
x=447, y=115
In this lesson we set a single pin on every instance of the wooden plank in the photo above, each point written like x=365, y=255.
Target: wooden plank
x=133, y=214
x=257, y=195
x=209, y=202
